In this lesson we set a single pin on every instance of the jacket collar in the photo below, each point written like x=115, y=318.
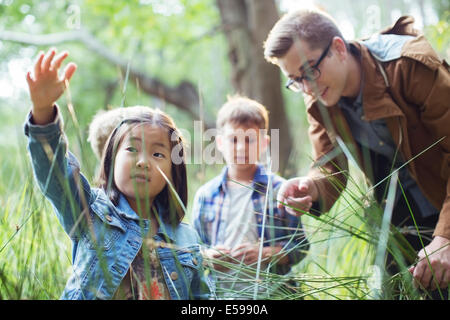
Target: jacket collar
x=377, y=102
x=164, y=228
x=125, y=209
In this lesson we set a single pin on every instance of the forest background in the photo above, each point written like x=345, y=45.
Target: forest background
x=184, y=57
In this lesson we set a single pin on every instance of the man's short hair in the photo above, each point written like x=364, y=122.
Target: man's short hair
x=240, y=110
x=315, y=27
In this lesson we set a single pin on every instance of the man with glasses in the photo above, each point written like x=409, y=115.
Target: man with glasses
x=379, y=103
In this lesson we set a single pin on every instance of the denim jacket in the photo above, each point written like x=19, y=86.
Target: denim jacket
x=106, y=238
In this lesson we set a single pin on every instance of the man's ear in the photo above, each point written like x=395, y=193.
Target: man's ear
x=340, y=47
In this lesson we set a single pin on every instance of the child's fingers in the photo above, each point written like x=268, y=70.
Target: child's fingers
x=48, y=60
x=38, y=65
x=241, y=246
x=237, y=254
x=29, y=80
x=221, y=247
x=240, y=250
x=56, y=64
x=69, y=70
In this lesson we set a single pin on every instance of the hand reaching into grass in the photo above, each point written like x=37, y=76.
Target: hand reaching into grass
x=217, y=254
x=298, y=193
x=439, y=257
x=249, y=253
x=46, y=86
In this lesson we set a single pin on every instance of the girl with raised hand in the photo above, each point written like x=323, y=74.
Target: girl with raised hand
x=128, y=238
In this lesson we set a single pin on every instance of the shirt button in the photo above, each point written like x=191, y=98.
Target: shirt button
x=108, y=217
x=381, y=143
x=174, y=276
x=363, y=118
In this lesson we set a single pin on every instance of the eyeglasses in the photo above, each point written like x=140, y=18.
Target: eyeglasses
x=311, y=74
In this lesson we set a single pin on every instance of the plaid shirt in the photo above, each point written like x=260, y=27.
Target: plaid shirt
x=281, y=229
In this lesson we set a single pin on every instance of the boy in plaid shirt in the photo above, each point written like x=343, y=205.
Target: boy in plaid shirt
x=228, y=210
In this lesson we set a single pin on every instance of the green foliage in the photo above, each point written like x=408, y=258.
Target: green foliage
x=439, y=35
x=173, y=41
x=32, y=242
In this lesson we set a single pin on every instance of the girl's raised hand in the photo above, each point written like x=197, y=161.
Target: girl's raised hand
x=46, y=86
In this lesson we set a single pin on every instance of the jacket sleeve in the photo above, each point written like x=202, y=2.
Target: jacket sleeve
x=57, y=172
x=330, y=167
x=428, y=87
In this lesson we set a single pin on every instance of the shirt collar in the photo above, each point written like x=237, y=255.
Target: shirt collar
x=260, y=177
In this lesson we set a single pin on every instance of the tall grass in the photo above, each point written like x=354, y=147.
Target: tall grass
x=34, y=250
x=35, y=253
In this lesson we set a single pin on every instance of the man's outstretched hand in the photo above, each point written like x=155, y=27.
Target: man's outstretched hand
x=298, y=193
x=438, y=252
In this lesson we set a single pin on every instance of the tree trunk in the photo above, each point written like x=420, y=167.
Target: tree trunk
x=246, y=24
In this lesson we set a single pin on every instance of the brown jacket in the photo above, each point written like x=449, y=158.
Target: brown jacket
x=412, y=94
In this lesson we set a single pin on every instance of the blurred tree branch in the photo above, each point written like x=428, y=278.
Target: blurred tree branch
x=184, y=96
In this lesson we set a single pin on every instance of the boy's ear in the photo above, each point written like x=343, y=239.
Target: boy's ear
x=219, y=142
x=265, y=141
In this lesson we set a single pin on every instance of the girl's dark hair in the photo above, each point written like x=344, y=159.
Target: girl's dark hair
x=173, y=212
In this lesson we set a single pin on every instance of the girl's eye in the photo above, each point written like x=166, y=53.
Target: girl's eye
x=131, y=149
x=159, y=155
